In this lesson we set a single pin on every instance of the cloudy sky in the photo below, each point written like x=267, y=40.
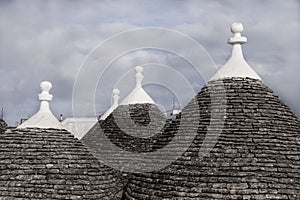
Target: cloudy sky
x=50, y=40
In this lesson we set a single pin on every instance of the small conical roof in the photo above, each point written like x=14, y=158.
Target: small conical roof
x=39, y=160
x=245, y=146
x=130, y=128
x=52, y=164
x=126, y=128
x=44, y=118
x=120, y=140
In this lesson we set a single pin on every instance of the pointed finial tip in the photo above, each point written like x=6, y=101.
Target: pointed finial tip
x=237, y=27
x=139, y=69
x=116, y=91
x=46, y=86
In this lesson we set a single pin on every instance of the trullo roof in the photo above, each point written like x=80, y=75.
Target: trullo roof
x=246, y=146
x=49, y=163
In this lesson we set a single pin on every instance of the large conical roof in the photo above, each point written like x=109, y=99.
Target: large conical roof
x=256, y=155
x=51, y=164
x=246, y=143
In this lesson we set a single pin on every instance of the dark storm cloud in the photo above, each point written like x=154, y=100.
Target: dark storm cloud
x=48, y=40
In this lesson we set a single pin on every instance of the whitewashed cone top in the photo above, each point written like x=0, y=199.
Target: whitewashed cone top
x=236, y=66
x=138, y=94
x=44, y=118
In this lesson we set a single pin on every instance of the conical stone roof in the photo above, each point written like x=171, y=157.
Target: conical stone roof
x=256, y=155
x=52, y=164
x=123, y=132
x=130, y=128
x=122, y=136
x=40, y=160
x=245, y=142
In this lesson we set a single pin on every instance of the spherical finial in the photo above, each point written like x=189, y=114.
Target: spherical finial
x=237, y=27
x=46, y=86
x=139, y=69
x=116, y=91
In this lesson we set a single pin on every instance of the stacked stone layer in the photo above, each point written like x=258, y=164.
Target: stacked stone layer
x=257, y=154
x=136, y=128
x=128, y=128
x=52, y=164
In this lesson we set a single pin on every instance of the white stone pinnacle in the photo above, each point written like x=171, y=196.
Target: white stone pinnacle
x=138, y=94
x=114, y=105
x=236, y=66
x=116, y=97
x=138, y=76
x=45, y=97
x=44, y=117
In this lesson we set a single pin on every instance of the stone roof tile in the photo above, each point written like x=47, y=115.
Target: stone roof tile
x=52, y=164
x=256, y=155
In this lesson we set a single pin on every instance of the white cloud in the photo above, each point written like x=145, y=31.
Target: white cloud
x=48, y=40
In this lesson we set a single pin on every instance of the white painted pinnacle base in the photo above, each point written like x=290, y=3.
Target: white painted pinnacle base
x=44, y=118
x=138, y=95
x=236, y=66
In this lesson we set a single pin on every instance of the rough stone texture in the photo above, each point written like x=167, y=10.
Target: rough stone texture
x=3, y=125
x=135, y=128
x=257, y=155
x=52, y=164
x=123, y=128
x=137, y=135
